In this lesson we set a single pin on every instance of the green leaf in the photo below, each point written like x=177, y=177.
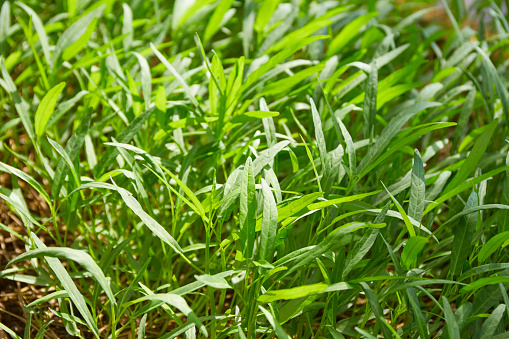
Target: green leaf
x=176, y=74
x=387, y=330
x=64, y=107
x=412, y=249
x=74, y=33
x=9, y=331
x=320, y=138
x=482, y=269
x=81, y=257
x=54, y=295
x=268, y=124
x=292, y=293
x=5, y=23
x=247, y=209
x=484, y=282
x=417, y=188
x=495, y=243
x=213, y=281
x=369, y=110
x=264, y=14
x=490, y=325
x=389, y=132
x=464, y=186
x=46, y=108
x=473, y=158
x=127, y=27
x=275, y=60
x=360, y=250
x=27, y=178
x=279, y=331
x=462, y=241
x=418, y=316
x=307, y=30
x=475, y=209
x=153, y=225
x=496, y=80
x=361, y=331
x=269, y=224
x=78, y=45
x=28, y=327
x=331, y=241
x=466, y=111
x=252, y=116
x=186, y=122
x=267, y=156
x=214, y=24
x=323, y=204
x=39, y=28
x=60, y=150
x=67, y=283
x=452, y=326
x=348, y=33
x=141, y=328
x=333, y=162
x=199, y=207
x=408, y=224
x=503, y=219
x=248, y=21
x=20, y=104
x=124, y=137
x=42, y=330
x=72, y=149
x=297, y=205
x=177, y=302
x=285, y=85
x=146, y=80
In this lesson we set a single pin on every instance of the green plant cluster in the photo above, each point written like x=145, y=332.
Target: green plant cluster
x=257, y=168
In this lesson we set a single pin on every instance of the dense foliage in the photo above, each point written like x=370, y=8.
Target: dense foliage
x=257, y=168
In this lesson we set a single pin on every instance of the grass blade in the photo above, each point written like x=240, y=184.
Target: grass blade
x=413, y=247
x=154, y=226
x=463, y=237
x=67, y=283
x=490, y=325
x=417, y=189
x=279, y=331
x=124, y=137
x=73, y=35
x=247, y=209
x=81, y=257
x=141, y=328
x=46, y=108
x=269, y=224
x=473, y=158
x=71, y=149
x=146, y=79
x=214, y=24
x=179, y=78
x=452, y=326
x=320, y=139
x=391, y=130
x=39, y=28
x=387, y=330
x=20, y=104
x=492, y=245
x=408, y=224
x=177, y=302
x=348, y=33
x=369, y=110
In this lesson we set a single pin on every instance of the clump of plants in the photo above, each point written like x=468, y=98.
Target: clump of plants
x=254, y=169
